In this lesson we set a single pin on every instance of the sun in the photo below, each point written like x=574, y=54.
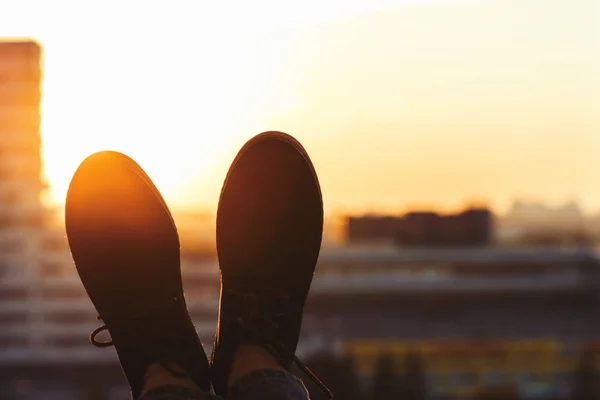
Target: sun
x=176, y=126
x=168, y=154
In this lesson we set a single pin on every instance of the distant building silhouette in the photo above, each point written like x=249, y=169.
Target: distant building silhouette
x=372, y=228
x=540, y=216
x=472, y=227
x=535, y=224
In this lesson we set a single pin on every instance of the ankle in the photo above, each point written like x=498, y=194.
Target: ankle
x=157, y=375
x=249, y=358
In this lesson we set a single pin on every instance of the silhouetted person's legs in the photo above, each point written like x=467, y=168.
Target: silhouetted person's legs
x=126, y=250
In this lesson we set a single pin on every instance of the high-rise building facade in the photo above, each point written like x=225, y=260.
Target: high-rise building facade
x=21, y=211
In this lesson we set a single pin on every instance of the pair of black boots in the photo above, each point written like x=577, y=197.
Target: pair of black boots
x=126, y=249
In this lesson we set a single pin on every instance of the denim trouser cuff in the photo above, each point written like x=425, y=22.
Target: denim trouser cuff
x=262, y=384
x=267, y=384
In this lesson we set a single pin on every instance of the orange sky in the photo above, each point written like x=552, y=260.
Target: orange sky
x=399, y=104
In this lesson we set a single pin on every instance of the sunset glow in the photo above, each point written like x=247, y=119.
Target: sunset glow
x=398, y=102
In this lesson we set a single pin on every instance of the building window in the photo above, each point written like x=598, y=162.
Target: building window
x=13, y=294
x=28, y=170
x=13, y=341
x=13, y=318
x=11, y=246
x=64, y=293
x=465, y=379
x=19, y=142
x=56, y=243
x=203, y=315
x=66, y=317
x=202, y=287
x=51, y=269
x=10, y=270
x=35, y=220
x=496, y=378
x=68, y=341
x=20, y=219
x=10, y=197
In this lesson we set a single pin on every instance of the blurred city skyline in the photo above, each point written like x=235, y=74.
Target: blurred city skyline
x=400, y=105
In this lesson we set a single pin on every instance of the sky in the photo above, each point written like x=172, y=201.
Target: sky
x=399, y=103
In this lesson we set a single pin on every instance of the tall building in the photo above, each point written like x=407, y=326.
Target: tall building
x=21, y=211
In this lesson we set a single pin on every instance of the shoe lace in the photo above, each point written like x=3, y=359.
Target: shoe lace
x=252, y=318
x=96, y=332
x=104, y=327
